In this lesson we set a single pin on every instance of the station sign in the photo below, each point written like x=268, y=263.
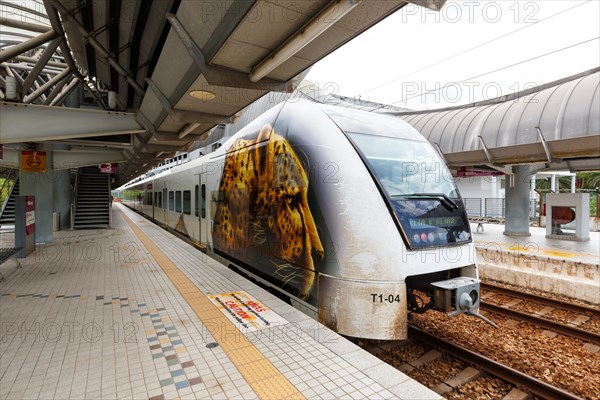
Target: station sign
x=33, y=161
x=245, y=311
x=108, y=168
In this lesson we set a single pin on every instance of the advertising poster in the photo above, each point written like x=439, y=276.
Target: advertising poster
x=29, y=215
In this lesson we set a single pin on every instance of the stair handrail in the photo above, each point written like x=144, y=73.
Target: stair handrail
x=74, y=198
x=5, y=188
x=109, y=204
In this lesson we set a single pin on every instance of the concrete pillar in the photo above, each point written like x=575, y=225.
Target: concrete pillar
x=517, y=203
x=62, y=194
x=553, y=183
x=39, y=184
x=573, y=183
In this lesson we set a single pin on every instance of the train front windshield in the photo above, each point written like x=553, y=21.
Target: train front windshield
x=419, y=188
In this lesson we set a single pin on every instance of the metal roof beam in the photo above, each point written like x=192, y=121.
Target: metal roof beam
x=221, y=76
x=41, y=63
x=63, y=94
x=55, y=80
x=33, y=123
x=26, y=26
x=32, y=43
x=488, y=155
x=56, y=91
x=34, y=60
x=103, y=53
x=544, y=144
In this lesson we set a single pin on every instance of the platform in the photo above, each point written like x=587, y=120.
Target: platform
x=131, y=312
x=563, y=267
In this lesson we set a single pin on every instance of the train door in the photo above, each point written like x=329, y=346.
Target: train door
x=164, y=203
x=200, y=211
x=153, y=199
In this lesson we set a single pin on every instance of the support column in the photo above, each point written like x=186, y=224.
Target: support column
x=63, y=193
x=517, y=203
x=39, y=184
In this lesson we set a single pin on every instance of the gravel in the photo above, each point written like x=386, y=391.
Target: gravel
x=560, y=361
x=485, y=387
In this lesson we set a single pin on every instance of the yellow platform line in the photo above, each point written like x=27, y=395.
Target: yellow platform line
x=266, y=380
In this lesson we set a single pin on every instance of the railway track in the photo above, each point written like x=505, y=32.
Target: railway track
x=468, y=358
x=548, y=324
x=555, y=326
x=494, y=368
x=543, y=300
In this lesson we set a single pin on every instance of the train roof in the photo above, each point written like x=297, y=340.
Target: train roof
x=347, y=120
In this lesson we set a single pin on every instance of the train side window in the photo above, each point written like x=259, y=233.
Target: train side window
x=171, y=200
x=165, y=197
x=187, y=202
x=196, y=203
x=203, y=201
x=178, y=201
x=158, y=199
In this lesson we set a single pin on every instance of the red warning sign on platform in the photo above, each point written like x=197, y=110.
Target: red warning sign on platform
x=245, y=311
x=33, y=161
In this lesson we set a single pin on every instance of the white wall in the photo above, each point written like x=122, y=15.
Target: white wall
x=479, y=187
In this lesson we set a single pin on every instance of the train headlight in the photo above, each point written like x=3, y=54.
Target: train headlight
x=424, y=236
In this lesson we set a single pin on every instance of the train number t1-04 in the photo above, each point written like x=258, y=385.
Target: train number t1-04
x=390, y=298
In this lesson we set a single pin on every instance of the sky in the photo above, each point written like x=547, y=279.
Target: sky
x=421, y=59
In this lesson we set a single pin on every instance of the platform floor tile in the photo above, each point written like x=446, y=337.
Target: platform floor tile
x=96, y=315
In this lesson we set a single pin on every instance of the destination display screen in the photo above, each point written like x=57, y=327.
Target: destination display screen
x=442, y=222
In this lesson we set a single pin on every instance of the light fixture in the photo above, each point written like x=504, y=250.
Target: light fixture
x=204, y=95
x=317, y=25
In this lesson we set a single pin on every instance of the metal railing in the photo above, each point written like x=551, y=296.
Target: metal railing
x=494, y=207
x=74, y=198
x=109, y=204
x=10, y=181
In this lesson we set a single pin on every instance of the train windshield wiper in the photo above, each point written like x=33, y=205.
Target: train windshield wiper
x=444, y=199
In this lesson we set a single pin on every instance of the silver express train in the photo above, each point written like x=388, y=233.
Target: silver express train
x=352, y=215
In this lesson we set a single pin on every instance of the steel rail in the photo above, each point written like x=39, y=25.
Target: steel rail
x=544, y=323
x=536, y=386
x=544, y=300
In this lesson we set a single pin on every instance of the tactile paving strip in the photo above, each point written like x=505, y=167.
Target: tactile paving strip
x=266, y=380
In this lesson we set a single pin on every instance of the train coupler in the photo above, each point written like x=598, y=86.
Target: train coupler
x=459, y=296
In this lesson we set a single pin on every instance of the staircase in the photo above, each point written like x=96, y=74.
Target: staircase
x=92, y=209
x=8, y=212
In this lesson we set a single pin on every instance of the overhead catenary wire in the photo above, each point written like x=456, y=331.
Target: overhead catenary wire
x=472, y=48
x=495, y=70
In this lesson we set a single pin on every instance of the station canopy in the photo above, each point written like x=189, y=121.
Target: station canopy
x=136, y=80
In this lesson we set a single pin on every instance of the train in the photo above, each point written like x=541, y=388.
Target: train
x=351, y=215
